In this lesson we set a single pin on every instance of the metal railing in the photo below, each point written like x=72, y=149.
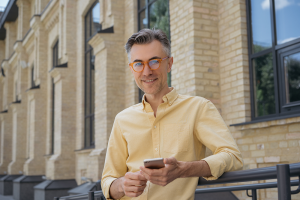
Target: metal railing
x=97, y=195
x=281, y=172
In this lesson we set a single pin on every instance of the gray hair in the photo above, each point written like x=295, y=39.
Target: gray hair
x=146, y=36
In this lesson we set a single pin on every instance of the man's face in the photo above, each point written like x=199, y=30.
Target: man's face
x=151, y=81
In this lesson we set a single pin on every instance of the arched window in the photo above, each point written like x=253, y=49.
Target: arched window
x=92, y=25
x=154, y=14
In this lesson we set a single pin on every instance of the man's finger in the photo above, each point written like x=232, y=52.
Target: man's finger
x=134, y=176
x=131, y=182
x=135, y=189
x=152, y=172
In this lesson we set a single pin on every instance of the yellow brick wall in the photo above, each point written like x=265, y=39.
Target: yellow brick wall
x=195, y=39
x=234, y=67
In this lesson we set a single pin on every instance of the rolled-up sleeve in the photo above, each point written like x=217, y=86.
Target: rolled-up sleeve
x=115, y=160
x=212, y=131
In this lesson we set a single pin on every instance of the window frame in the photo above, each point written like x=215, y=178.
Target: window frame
x=88, y=58
x=32, y=77
x=52, y=118
x=55, y=54
x=276, y=51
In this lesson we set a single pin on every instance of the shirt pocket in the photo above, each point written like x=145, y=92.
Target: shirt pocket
x=175, y=137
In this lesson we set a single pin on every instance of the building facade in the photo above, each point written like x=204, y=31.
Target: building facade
x=65, y=75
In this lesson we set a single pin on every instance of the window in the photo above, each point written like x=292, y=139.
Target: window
x=16, y=92
x=55, y=55
x=274, y=58
x=92, y=25
x=52, y=118
x=32, y=77
x=154, y=14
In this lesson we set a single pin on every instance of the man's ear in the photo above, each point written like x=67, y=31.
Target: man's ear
x=170, y=64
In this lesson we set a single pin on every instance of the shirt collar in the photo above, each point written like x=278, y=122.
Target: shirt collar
x=168, y=98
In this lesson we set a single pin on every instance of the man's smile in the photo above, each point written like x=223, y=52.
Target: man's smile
x=149, y=81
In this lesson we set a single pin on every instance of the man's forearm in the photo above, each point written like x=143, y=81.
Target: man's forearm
x=194, y=169
x=116, y=190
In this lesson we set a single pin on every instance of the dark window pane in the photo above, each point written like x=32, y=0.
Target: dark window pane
x=32, y=77
x=142, y=3
x=53, y=117
x=263, y=85
x=87, y=26
x=92, y=83
x=159, y=16
x=141, y=94
x=292, y=77
x=287, y=13
x=143, y=20
x=87, y=30
x=87, y=131
x=261, y=25
x=93, y=131
x=96, y=19
x=92, y=25
x=87, y=84
x=55, y=55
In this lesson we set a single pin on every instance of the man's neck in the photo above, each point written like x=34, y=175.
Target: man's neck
x=156, y=99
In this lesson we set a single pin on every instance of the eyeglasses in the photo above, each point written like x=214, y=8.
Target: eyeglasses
x=153, y=64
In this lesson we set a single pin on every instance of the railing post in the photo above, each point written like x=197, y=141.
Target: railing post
x=254, y=195
x=91, y=195
x=283, y=182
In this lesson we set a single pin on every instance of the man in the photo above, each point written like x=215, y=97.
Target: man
x=168, y=125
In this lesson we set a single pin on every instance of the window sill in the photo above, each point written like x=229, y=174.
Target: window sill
x=48, y=155
x=84, y=150
x=33, y=88
x=264, y=123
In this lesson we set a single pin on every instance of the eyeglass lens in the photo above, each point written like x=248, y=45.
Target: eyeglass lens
x=153, y=64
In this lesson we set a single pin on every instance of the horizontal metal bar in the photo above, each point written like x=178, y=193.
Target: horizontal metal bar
x=243, y=187
x=250, y=175
x=75, y=197
x=97, y=194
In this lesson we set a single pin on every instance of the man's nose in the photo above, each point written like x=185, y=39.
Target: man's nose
x=147, y=71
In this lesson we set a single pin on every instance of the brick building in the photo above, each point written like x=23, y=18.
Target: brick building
x=64, y=76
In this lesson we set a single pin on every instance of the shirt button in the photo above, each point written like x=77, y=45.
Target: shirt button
x=154, y=126
x=155, y=149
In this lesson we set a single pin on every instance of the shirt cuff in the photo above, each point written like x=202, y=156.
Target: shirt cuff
x=217, y=166
x=106, y=186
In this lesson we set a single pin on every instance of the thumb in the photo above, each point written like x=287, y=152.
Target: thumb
x=170, y=161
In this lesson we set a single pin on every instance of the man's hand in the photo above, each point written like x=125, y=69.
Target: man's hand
x=176, y=169
x=134, y=184
x=163, y=176
x=131, y=185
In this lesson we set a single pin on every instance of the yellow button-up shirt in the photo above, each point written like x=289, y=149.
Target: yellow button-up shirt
x=182, y=128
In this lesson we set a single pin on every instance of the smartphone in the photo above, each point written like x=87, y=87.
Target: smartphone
x=155, y=163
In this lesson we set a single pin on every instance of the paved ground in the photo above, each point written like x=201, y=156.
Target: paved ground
x=6, y=197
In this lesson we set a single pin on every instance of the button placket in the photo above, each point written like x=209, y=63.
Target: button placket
x=155, y=136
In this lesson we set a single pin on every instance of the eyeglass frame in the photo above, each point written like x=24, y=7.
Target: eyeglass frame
x=147, y=62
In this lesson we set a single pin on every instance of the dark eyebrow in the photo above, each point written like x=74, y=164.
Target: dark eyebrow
x=155, y=57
